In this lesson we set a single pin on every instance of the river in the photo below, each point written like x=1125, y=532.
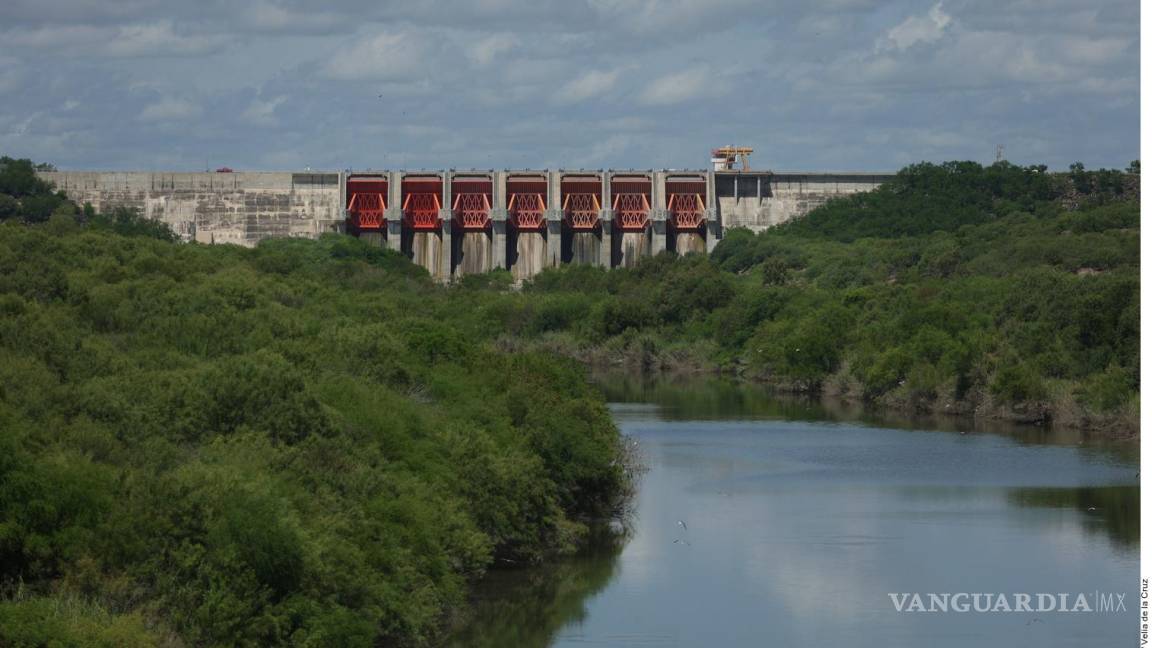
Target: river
x=768, y=522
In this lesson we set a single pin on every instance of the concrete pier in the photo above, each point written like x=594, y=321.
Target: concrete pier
x=473, y=253
x=552, y=243
x=499, y=245
x=245, y=207
x=632, y=246
x=372, y=238
x=499, y=217
x=658, y=237
x=447, y=238
x=395, y=236
x=690, y=243
x=427, y=251
x=585, y=248
x=530, y=255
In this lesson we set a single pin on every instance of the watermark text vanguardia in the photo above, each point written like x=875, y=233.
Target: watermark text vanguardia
x=991, y=602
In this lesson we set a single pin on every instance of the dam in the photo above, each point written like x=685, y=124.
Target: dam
x=471, y=221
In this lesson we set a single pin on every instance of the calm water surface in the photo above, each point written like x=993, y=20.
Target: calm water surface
x=799, y=519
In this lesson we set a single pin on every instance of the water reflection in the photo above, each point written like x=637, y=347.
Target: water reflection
x=714, y=398
x=527, y=607
x=801, y=517
x=1111, y=510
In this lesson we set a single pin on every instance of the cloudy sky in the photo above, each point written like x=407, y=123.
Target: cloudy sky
x=816, y=84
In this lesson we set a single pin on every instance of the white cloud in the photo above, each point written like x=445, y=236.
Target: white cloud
x=266, y=16
x=919, y=29
x=586, y=86
x=169, y=110
x=261, y=112
x=514, y=82
x=1096, y=51
x=54, y=36
x=677, y=87
x=20, y=128
x=10, y=73
x=484, y=51
x=131, y=40
x=160, y=37
x=391, y=56
x=672, y=16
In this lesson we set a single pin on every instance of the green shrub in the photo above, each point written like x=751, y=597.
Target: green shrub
x=64, y=621
x=1019, y=382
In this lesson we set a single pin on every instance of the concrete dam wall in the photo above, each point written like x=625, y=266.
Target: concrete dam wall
x=240, y=208
x=459, y=222
x=759, y=201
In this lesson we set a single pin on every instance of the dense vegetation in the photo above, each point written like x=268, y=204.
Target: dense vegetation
x=310, y=443
x=1001, y=290
x=289, y=445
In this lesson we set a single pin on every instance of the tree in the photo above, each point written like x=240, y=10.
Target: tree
x=9, y=207
x=775, y=272
x=18, y=179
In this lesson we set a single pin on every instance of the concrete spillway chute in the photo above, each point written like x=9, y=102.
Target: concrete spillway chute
x=631, y=203
x=424, y=238
x=527, y=245
x=471, y=241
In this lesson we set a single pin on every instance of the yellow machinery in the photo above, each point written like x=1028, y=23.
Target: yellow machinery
x=724, y=158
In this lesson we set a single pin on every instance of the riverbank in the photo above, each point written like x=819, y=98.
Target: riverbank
x=972, y=291
x=777, y=493
x=647, y=361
